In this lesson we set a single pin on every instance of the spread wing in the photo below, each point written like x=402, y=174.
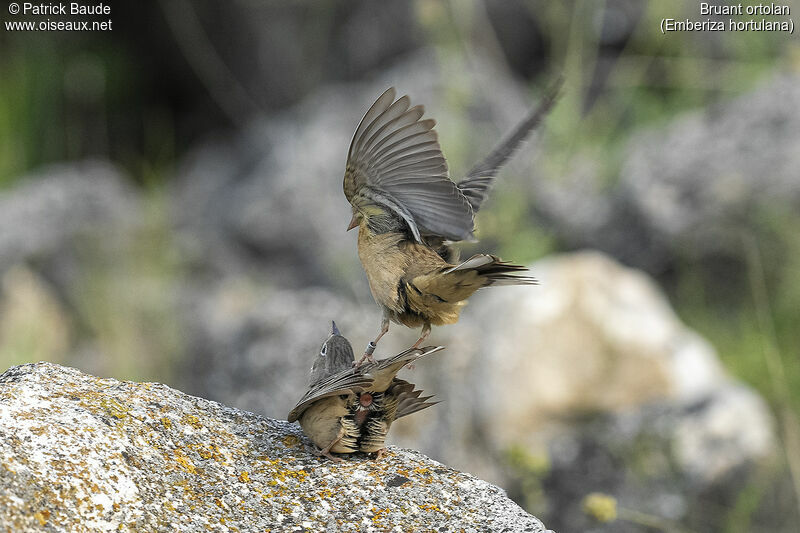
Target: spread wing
x=344, y=382
x=376, y=376
x=479, y=180
x=395, y=162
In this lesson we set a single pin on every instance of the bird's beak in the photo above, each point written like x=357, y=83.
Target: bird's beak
x=353, y=223
x=334, y=329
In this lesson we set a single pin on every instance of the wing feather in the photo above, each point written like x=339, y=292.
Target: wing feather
x=370, y=376
x=344, y=382
x=396, y=154
x=479, y=180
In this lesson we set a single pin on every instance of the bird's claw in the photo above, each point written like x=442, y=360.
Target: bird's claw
x=365, y=357
x=381, y=453
x=327, y=453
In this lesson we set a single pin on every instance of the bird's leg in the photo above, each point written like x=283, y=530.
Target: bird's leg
x=374, y=344
x=426, y=330
x=380, y=454
x=326, y=451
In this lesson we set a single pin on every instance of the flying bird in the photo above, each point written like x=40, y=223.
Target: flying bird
x=348, y=409
x=408, y=213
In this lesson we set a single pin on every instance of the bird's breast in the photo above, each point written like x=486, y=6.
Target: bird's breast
x=322, y=421
x=384, y=263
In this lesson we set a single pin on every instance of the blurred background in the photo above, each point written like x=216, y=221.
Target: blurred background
x=171, y=210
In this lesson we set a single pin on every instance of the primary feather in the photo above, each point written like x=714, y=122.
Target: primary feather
x=395, y=163
x=479, y=180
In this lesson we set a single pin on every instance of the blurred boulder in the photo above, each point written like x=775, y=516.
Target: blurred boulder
x=43, y=217
x=701, y=181
x=80, y=453
x=594, y=338
x=672, y=462
x=690, y=190
x=87, y=272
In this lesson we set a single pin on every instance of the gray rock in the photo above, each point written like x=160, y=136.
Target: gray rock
x=83, y=453
x=698, y=182
x=689, y=190
x=42, y=217
x=666, y=460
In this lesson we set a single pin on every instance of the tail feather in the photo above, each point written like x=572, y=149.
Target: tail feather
x=497, y=271
x=408, y=399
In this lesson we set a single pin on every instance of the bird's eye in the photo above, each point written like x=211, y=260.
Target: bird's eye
x=324, y=350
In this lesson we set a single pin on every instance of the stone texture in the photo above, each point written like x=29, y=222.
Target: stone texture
x=81, y=453
x=667, y=459
x=42, y=217
x=687, y=191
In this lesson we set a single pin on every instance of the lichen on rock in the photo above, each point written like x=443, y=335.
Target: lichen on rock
x=81, y=453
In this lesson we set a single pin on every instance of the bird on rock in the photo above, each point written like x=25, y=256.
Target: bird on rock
x=408, y=213
x=346, y=409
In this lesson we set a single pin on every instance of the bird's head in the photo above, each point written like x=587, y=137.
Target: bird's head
x=355, y=220
x=335, y=355
x=362, y=214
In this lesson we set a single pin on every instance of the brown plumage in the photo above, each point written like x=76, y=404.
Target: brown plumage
x=408, y=212
x=350, y=409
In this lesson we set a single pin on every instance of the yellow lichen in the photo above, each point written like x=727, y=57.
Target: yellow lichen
x=166, y=422
x=192, y=420
x=42, y=516
x=206, y=451
x=244, y=477
x=378, y=514
x=184, y=462
x=422, y=471
x=290, y=441
x=429, y=507
x=114, y=408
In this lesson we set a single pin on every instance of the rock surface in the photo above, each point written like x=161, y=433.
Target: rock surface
x=84, y=453
x=42, y=218
x=688, y=190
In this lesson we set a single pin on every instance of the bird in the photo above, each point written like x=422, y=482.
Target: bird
x=347, y=409
x=409, y=213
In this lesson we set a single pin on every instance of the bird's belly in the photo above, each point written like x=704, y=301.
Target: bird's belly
x=385, y=264
x=322, y=422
